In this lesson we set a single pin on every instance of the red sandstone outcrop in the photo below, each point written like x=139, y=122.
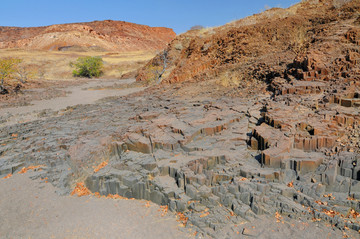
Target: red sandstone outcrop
x=98, y=35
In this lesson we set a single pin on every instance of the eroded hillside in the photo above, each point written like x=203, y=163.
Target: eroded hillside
x=264, y=45
x=94, y=36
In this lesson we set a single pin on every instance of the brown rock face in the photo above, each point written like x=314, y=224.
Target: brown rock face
x=98, y=35
x=271, y=39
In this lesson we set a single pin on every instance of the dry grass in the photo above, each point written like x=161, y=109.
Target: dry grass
x=54, y=65
x=229, y=79
x=267, y=14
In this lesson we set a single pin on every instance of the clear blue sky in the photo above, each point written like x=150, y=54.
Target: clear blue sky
x=180, y=15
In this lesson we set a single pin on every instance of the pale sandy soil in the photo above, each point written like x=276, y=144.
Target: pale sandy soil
x=31, y=209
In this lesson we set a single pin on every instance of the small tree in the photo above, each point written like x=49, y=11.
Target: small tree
x=163, y=63
x=8, y=67
x=87, y=67
x=24, y=73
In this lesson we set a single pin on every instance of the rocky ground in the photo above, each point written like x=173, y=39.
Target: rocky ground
x=196, y=154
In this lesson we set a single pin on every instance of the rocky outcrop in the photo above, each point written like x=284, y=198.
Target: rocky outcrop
x=271, y=39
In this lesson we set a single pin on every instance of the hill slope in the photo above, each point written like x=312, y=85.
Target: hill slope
x=271, y=40
x=98, y=35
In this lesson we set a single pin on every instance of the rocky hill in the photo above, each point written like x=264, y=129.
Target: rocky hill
x=97, y=36
x=265, y=43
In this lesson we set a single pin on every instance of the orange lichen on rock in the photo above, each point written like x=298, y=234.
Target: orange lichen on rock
x=330, y=213
x=8, y=176
x=45, y=179
x=115, y=196
x=97, y=194
x=164, y=210
x=330, y=196
x=100, y=166
x=24, y=169
x=278, y=217
x=182, y=219
x=321, y=203
x=205, y=214
x=353, y=214
x=291, y=184
x=192, y=201
x=80, y=190
x=350, y=198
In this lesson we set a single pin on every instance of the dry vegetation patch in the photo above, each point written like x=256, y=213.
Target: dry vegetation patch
x=54, y=65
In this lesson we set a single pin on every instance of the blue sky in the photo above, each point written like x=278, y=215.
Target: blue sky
x=180, y=15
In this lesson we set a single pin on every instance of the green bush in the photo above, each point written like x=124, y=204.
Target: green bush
x=87, y=66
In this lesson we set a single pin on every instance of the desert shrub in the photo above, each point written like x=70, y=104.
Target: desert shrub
x=152, y=73
x=26, y=72
x=87, y=67
x=8, y=69
x=299, y=39
x=229, y=79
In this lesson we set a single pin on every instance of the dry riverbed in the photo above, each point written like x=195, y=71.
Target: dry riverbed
x=36, y=103
x=31, y=208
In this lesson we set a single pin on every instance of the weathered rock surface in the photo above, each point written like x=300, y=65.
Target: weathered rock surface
x=195, y=156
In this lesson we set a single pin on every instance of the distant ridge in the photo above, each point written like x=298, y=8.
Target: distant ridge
x=105, y=35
